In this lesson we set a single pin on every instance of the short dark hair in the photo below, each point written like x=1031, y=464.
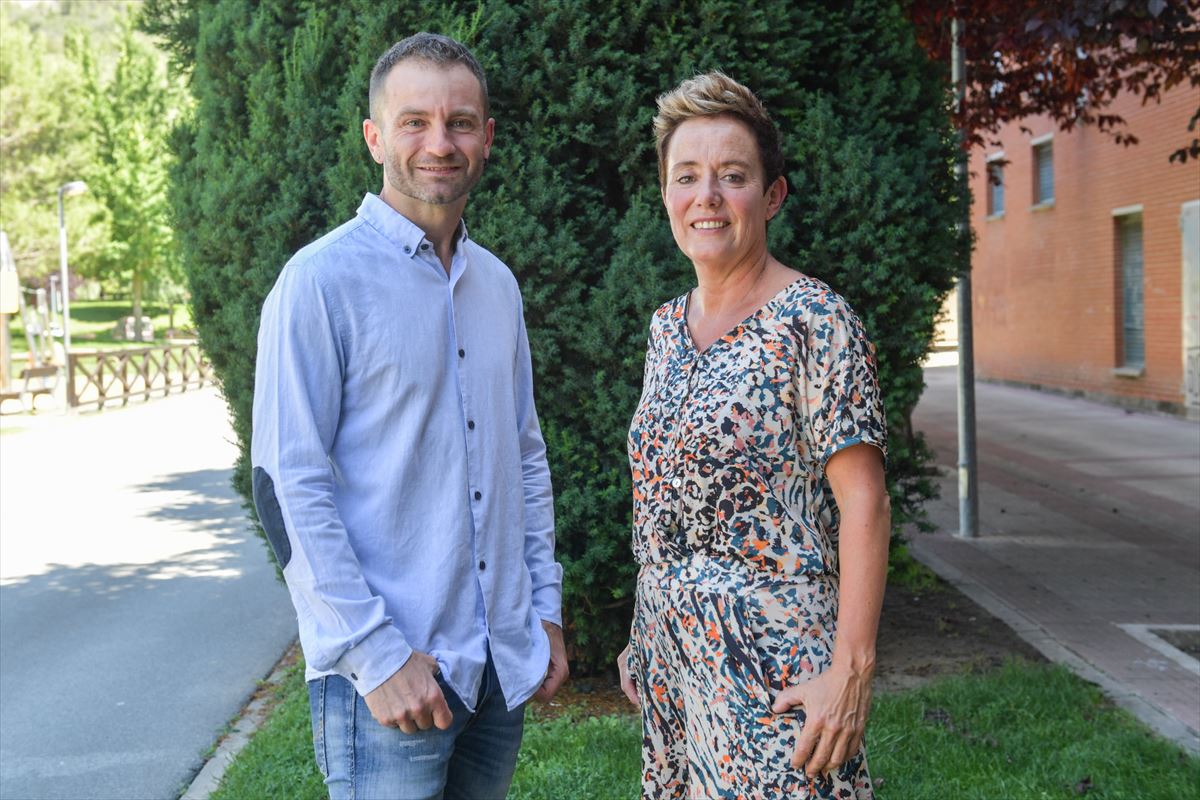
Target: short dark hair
x=432, y=47
x=715, y=94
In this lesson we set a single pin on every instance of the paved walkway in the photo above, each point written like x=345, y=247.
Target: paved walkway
x=1089, y=538
x=137, y=607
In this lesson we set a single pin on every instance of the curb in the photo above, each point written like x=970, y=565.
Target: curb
x=241, y=731
x=1164, y=724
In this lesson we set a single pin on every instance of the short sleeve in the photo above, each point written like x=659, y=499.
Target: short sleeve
x=845, y=403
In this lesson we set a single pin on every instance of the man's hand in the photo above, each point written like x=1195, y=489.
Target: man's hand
x=557, y=671
x=628, y=685
x=411, y=699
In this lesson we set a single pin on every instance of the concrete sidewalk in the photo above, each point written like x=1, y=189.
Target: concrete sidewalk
x=1089, y=541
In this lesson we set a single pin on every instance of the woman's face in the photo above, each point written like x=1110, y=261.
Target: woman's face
x=715, y=193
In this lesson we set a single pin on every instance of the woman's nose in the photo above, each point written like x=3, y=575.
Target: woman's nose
x=709, y=194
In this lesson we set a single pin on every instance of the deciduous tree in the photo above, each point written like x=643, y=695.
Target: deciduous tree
x=43, y=144
x=131, y=115
x=1068, y=60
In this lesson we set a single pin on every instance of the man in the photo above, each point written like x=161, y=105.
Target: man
x=399, y=470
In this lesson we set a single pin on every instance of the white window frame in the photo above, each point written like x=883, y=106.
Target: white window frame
x=1034, y=144
x=1125, y=370
x=988, y=186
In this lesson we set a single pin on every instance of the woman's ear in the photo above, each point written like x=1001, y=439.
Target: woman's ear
x=776, y=194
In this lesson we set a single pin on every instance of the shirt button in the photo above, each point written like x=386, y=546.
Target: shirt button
x=461, y=353
x=425, y=247
x=407, y=249
x=478, y=495
x=482, y=565
x=470, y=424
x=677, y=482
x=353, y=677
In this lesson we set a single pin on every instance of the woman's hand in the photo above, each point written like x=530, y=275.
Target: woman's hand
x=627, y=684
x=836, y=704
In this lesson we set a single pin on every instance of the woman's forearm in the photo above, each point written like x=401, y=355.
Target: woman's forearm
x=863, y=557
x=860, y=490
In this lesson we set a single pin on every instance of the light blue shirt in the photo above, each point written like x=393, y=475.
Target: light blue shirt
x=399, y=470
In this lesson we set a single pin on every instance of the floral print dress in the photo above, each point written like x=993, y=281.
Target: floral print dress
x=735, y=532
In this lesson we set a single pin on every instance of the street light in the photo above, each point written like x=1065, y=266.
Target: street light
x=66, y=190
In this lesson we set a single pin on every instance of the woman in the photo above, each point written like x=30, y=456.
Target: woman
x=757, y=458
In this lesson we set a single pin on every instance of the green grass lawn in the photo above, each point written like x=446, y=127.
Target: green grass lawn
x=93, y=323
x=1024, y=732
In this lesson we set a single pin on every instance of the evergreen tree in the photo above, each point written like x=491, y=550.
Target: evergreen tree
x=274, y=157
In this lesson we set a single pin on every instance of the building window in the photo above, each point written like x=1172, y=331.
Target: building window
x=1132, y=314
x=995, y=188
x=1043, y=173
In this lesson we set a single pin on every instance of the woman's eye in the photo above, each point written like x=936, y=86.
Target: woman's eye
x=685, y=179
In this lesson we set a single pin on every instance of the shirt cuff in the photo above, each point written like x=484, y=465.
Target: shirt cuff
x=547, y=593
x=375, y=659
x=849, y=441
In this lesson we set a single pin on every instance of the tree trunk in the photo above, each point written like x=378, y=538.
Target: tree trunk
x=5, y=351
x=137, y=306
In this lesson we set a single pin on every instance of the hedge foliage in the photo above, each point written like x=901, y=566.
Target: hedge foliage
x=273, y=157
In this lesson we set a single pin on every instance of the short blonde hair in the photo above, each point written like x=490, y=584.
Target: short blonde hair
x=715, y=94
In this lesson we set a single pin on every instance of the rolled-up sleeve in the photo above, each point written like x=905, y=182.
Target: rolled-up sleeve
x=545, y=573
x=344, y=626
x=842, y=362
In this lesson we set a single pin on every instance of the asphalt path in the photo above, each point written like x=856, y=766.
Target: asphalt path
x=137, y=607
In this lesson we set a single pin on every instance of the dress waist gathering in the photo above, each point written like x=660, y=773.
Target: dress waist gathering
x=724, y=575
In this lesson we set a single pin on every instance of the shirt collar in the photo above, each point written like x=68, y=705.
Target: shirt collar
x=399, y=228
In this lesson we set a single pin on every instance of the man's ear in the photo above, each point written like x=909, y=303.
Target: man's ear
x=373, y=137
x=489, y=135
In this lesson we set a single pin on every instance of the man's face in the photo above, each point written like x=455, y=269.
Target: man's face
x=432, y=137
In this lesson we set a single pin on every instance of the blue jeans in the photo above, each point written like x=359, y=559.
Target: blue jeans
x=362, y=760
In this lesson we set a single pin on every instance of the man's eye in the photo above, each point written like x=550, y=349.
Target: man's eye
x=734, y=177
x=461, y=124
x=413, y=123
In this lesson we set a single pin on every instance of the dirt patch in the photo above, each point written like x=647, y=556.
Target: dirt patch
x=585, y=697
x=930, y=632
x=924, y=634
x=1183, y=640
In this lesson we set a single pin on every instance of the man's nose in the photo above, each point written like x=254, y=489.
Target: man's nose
x=438, y=142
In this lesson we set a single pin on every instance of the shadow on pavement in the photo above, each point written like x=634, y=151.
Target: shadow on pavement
x=115, y=676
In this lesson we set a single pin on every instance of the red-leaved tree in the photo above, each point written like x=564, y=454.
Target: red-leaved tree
x=1067, y=59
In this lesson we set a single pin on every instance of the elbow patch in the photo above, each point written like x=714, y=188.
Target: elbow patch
x=271, y=517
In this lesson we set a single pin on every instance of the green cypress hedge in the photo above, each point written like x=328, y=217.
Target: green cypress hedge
x=273, y=157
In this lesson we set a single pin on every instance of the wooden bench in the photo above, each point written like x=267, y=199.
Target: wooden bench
x=47, y=382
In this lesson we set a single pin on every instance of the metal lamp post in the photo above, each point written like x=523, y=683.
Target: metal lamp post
x=66, y=190
x=968, y=469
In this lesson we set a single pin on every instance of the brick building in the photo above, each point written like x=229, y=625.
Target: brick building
x=1086, y=272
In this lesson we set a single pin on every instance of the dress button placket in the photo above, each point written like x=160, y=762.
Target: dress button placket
x=677, y=465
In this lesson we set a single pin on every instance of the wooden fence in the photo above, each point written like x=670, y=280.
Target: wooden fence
x=100, y=377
